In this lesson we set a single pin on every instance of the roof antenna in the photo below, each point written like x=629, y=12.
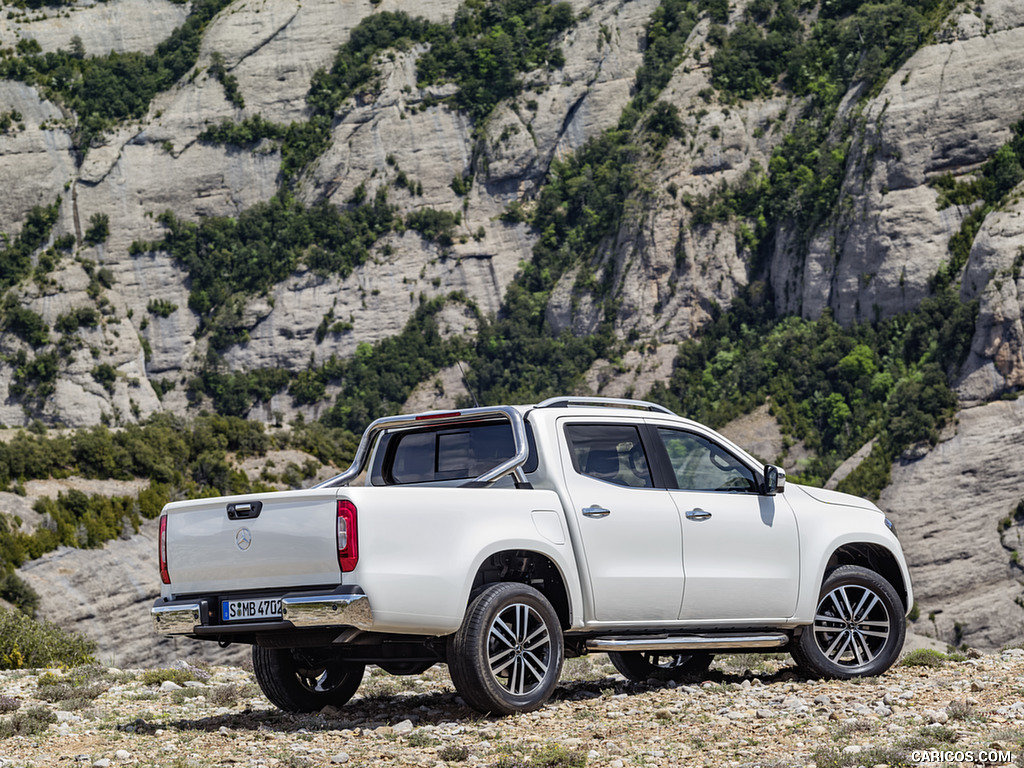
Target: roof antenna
x=466, y=383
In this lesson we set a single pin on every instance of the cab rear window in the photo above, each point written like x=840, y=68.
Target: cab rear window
x=459, y=452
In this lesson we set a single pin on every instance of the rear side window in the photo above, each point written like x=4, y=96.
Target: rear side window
x=609, y=452
x=448, y=453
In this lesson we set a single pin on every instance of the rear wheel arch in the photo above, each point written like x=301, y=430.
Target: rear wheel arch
x=526, y=567
x=875, y=558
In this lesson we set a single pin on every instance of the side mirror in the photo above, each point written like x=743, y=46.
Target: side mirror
x=774, y=480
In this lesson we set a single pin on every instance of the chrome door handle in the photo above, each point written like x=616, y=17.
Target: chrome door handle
x=697, y=514
x=596, y=511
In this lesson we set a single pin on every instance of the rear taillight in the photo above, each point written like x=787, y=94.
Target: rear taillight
x=348, y=536
x=165, y=577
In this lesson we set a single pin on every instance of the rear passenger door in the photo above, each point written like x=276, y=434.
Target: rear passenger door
x=629, y=529
x=740, y=548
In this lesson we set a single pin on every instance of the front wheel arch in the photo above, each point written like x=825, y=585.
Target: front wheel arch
x=873, y=557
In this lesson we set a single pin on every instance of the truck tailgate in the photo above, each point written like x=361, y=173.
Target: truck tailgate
x=292, y=542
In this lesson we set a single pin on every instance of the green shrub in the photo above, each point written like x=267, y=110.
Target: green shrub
x=548, y=756
x=924, y=657
x=229, y=81
x=26, y=643
x=227, y=258
x=997, y=179
x=250, y=131
x=31, y=722
x=71, y=695
x=80, y=317
x=27, y=325
x=34, y=378
x=225, y=695
x=453, y=753
x=19, y=593
x=161, y=307
x=178, y=675
x=435, y=225
x=99, y=229
x=105, y=374
x=16, y=255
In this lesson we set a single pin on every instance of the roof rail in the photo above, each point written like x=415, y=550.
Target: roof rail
x=513, y=466
x=567, y=402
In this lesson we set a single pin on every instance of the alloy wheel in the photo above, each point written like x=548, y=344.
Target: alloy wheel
x=518, y=649
x=851, y=626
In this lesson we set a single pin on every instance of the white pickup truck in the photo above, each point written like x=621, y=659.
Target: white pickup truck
x=501, y=540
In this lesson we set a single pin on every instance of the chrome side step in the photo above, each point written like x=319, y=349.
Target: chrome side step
x=705, y=642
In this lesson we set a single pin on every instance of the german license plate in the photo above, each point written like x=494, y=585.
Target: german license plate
x=250, y=610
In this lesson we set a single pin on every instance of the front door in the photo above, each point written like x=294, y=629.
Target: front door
x=741, y=554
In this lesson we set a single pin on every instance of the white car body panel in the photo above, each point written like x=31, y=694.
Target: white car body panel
x=743, y=562
x=288, y=546
x=421, y=547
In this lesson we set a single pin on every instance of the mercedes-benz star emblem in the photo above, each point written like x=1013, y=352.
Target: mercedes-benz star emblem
x=243, y=538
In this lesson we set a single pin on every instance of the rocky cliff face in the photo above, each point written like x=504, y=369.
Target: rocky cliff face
x=947, y=109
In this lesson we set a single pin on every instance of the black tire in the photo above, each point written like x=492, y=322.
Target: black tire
x=507, y=655
x=678, y=666
x=296, y=682
x=858, y=628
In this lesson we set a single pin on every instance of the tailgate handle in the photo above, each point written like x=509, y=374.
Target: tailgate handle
x=246, y=510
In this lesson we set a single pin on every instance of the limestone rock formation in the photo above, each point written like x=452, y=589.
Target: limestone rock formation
x=949, y=509
x=127, y=25
x=947, y=109
x=993, y=275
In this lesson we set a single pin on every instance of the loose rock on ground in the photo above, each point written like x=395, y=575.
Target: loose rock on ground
x=750, y=711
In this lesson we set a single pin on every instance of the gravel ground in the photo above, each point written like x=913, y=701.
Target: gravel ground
x=750, y=711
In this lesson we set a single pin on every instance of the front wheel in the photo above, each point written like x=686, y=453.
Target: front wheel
x=296, y=681
x=640, y=666
x=507, y=655
x=858, y=628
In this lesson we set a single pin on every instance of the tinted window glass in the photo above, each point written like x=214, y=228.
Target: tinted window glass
x=609, y=452
x=453, y=453
x=700, y=465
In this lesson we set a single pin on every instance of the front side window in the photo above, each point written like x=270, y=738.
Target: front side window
x=701, y=465
x=609, y=452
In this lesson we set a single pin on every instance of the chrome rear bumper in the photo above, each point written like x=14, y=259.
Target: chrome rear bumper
x=297, y=610
x=178, y=619
x=328, y=611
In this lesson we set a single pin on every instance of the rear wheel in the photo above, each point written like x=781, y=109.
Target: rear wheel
x=858, y=628
x=639, y=666
x=507, y=655
x=301, y=682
